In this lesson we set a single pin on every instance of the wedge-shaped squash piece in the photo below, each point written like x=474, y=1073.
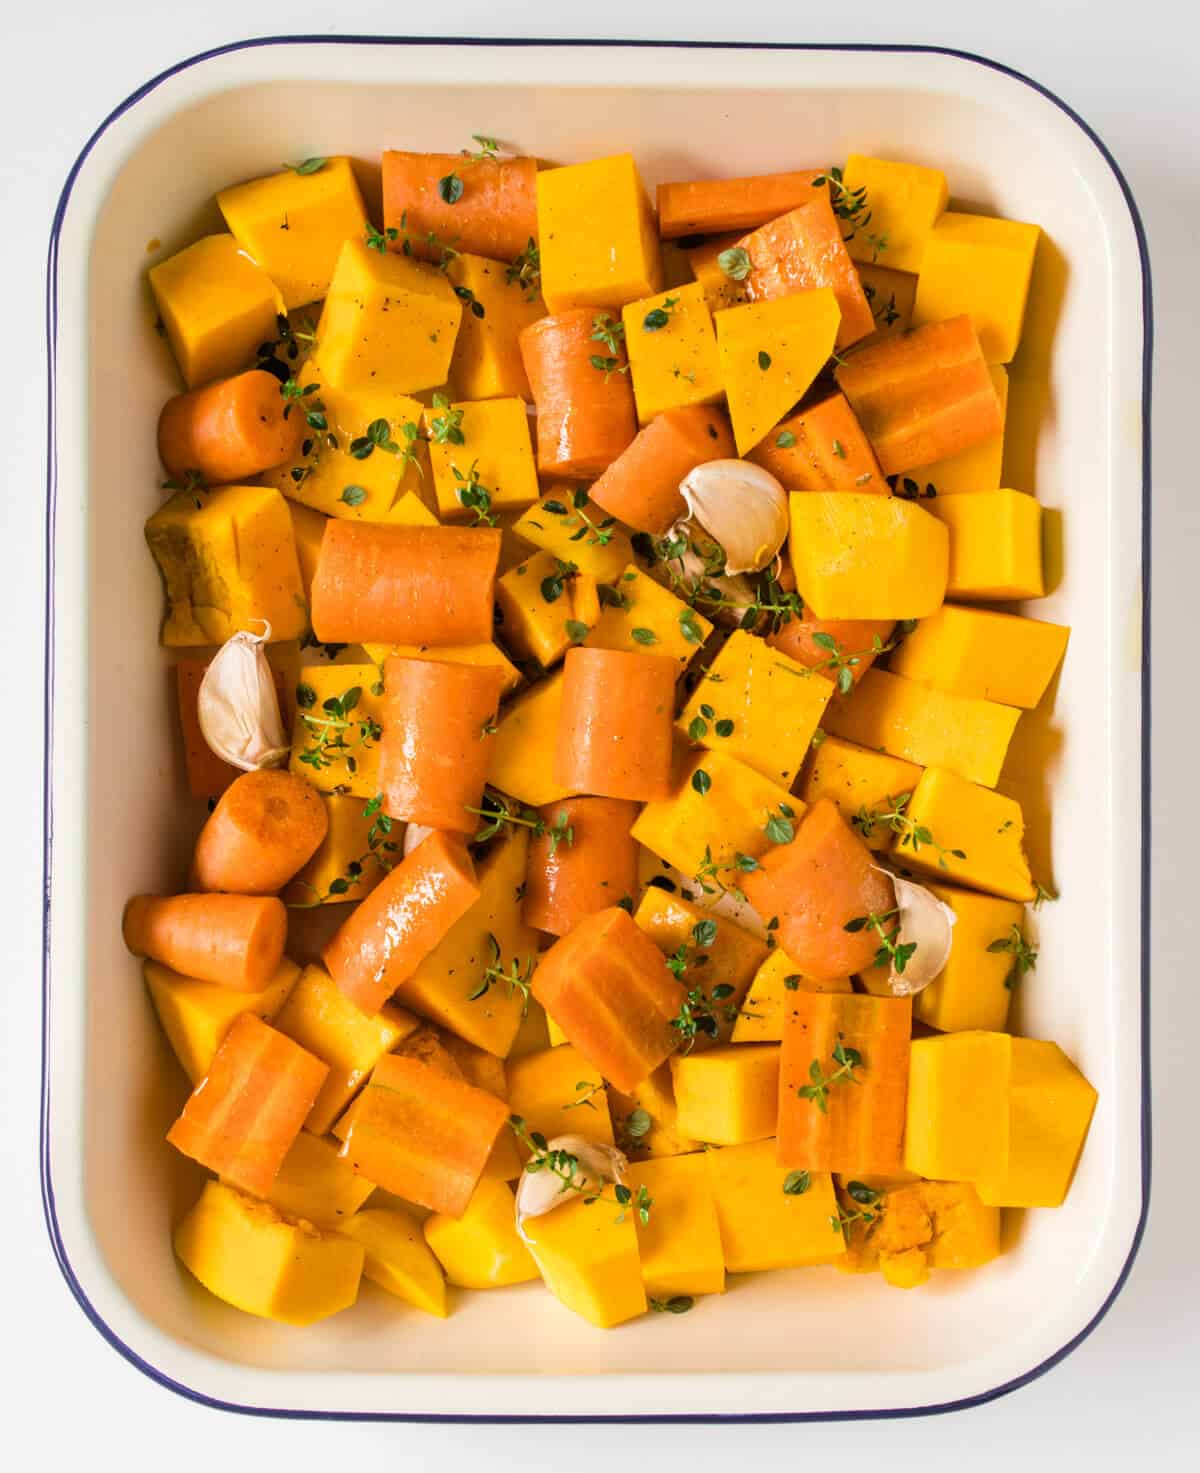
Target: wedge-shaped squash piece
x=980, y=266
x=891, y=295
x=672, y=351
x=557, y=1092
x=634, y=607
x=858, y=556
x=957, y=1126
x=680, y=1244
x=487, y=361
x=197, y=1015
x=589, y=1260
x=760, y=1017
x=481, y=1249
x=353, y=857
x=646, y=1122
x=495, y=452
x=567, y=524
x=523, y=755
x=977, y=469
x=341, y=757
x=729, y=1094
x=922, y=1226
x=315, y=1185
x=861, y=782
x=770, y=352
x=988, y=828
x=995, y=544
x=821, y=448
x=983, y=653
x=242, y=1251
x=397, y=1258
x=905, y=202
x=974, y=988
x=545, y=605
x=766, y=1220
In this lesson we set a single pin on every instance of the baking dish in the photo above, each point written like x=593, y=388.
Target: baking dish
x=813, y=1343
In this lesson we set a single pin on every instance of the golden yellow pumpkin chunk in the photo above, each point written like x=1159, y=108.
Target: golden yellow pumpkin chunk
x=995, y=544
x=589, y=1260
x=641, y=616
x=958, y=1086
x=922, y=1226
x=481, y=1249
x=904, y=201
x=523, y=748
x=575, y=533
x=680, y=1244
x=453, y=654
x=861, y=782
x=760, y=1017
x=770, y=1217
x=546, y=605
x=672, y=351
x=397, y=1257
x=496, y=453
x=487, y=359
x=315, y=1184
x=729, y=1094
x=338, y=747
x=971, y=990
x=986, y=828
x=645, y=1121
x=352, y=859
x=983, y=653
x=980, y=266
x=196, y=1015
x=557, y=1093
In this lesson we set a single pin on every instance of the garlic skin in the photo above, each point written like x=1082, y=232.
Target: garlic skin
x=237, y=705
x=742, y=506
x=925, y=921
x=414, y=834
x=539, y=1192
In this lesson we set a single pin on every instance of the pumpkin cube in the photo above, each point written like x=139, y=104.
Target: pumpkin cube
x=197, y=1015
x=980, y=266
x=680, y=1245
x=987, y=827
x=397, y=1258
x=335, y=738
x=487, y=362
x=588, y=1258
x=984, y=654
x=351, y=860
x=972, y=990
x=957, y=1125
x=762, y=709
x=639, y=614
x=545, y=605
x=293, y=225
x=596, y=230
x=216, y=307
x=977, y=468
x=387, y=318
x=481, y=1249
x=242, y=1251
x=766, y=1220
x=770, y=352
x=228, y=561
x=453, y=654
x=729, y=1094
x=760, y=1017
x=556, y=1092
x=573, y=528
x=922, y=1226
x=905, y=202
x=495, y=452
x=524, y=745
x=672, y=351
x=890, y=295
x=704, y=261
x=315, y=1185
x=962, y=734
x=645, y=1121
x=308, y=528
x=860, y=782
x=995, y=544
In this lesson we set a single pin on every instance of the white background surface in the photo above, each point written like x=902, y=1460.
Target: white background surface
x=1128, y=1395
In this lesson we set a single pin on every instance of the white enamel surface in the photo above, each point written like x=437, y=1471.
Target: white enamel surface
x=808, y=1341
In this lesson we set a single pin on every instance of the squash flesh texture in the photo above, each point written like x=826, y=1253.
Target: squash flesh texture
x=760, y=1017
x=983, y=654
x=481, y=1249
x=656, y=1096
x=589, y=1261
x=922, y=1226
x=905, y=201
x=314, y=1184
x=648, y=605
x=524, y=745
x=197, y=1015
x=987, y=827
x=398, y=1259
x=980, y=266
x=555, y=522
x=762, y=1226
x=326, y=681
x=970, y=991
x=534, y=627
x=497, y=449
x=957, y=1125
x=680, y=1246
x=858, y=780
x=728, y=1095
x=346, y=842
x=487, y=361
x=995, y=545
x=675, y=364
x=543, y=1090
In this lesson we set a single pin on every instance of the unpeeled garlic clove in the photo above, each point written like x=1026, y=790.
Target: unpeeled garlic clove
x=926, y=922
x=742, y=506
x=539, y=1192
x=238, y=706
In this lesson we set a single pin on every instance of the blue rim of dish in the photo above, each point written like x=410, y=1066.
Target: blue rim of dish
x=866, y=1414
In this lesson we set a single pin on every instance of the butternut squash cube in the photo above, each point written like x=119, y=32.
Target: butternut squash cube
x=859, y=781
x=890, y=295
x=728, y=1095
x=487, y=362
x=356, y=765
x=346, y=866
x=995, y=544
x=680, y=1246
x=905, y=202
x=398, y=1259
x=197, y=1015
x=980, y=266
x=523, y=747
x=988, y=827
x=216, y=306
x=762, y=1225
x=770, y=352
x=315, y=1185
x=655, y=1131
x=971, y=990
x=481, y=1249
x=984, y=654
x=453, y=654
x=922, y=1226
x=672, y=351
x=308, y=528
x=962, y=734
x=545, y=606
x=635, y=602
x=719, y=290
x=977, y=468
x=557, y=525
x=858, y=555
x=596, y=230
x=760, y=1017
x=387, y=318
x=293, y=225
x=228, y=561
x=496, y=451
x=589, y=1260
x=957, y=1126
x=556, y=1092
x=759, y=706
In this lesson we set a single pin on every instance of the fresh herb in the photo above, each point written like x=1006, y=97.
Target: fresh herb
x=1041, y=894
x=847, y=1061
x=488, y=149
x=612, y=598
x=445, y=428
x=293, y=393
x=711, y=875
x=637, y=1124
x=498, y=816
x=904, y=488
x=565, y=1166
x=1024, y=956
x=607, y=330
x=735, y=263
x=891, y=949
x=190, y=483
x=895, y=818
x=701, y=781
x=353, y=495
x=724, y=727
x=785, y=439
x=885, y=313
x=792, y=981
x=309, y=166
x=601, y=532
x=474, y=495
x=338, y=733
x=796, y=1183
x=450, y=187
x=517, y=979
x=585, y=1094
x=698, y=1012
x=764, y=360
x=839, y=449
x=577, y=630
x=554, y=584
x=379, y=851
x=658, y=317
x=677, y=1304
x=841, y=663
x=378, y=240
x=378, y=437
x=465, y=294
x=678, y=372
x=779, y=827
x=644, y=636
x=851, y=206
x=525, y=270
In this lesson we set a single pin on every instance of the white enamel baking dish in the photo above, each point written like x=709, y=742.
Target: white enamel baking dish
x=809, y=1343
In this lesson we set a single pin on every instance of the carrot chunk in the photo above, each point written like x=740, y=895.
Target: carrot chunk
x=641, y=487
x=614, y=726
x=487, y=207
x=821, y=448
x=565, y=882
x=712, y=206
x=229, y=431
x=235, y=940
x=265, y=829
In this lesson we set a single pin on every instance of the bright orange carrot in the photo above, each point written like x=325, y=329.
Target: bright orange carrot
x=609, y=989
x=246, y=1112
x=493, y=214
x=585, y=413
x=821, y=448
x=924, y=395
x=229, y=431
x=235, y=940
x=853, y=638
x=708, y=206
x=802, y=250
x=422, y=1134
x=614, y=725
x=824, y=878
x=404, y=585
x=394, y=929
x=265, y=829
x=851, y=1118
x=641, y=487
x=439, y=723
x=564, y=882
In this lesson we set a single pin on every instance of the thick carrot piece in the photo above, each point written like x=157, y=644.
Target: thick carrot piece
x=494, y=214
x=609, y=989
x=614, y=725
x=923, y=396
x=439, y=725
x=246, y=1112
x=405, y=585
x=823, y=879
x=421, y=1133
x=394, y=929
x=806, y=640
x=229, y=431
x=803, y=250
x=709, y=206
x=235, y=940
x=586, y=415
x=843, y=1082
x=264, y=830
x=821, y=448
x=565, y=882
x=641, y=487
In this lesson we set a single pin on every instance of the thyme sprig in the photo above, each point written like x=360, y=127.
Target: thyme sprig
x=847, y=1060
x=517, y=978
x=498, y=816
x=1024, y=956
x=852, y=206
x=337, y=734
x=913, y=835
x=891, y=949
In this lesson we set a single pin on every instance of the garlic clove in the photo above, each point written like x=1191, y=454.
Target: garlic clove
x=742, y=506
x=925, y=923
x=414, y=834
x=539, y=1192
x=238, y=706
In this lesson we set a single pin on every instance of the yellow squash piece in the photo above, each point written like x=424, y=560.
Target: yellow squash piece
x=523, y=748
x=760, y=1018
x=196, y=1015
x=672, y=351
x=316, y=1185
x=770, y=352
x=348, y=865
x=858, y=555
x=574, y=534
x=680, y=1245
x=398, y=1258
x=976, y=469
x=860, y=781
x=762, y=1226
x=981, y=266
x=556, y=1093
x=596, y=231
x=481, y=1249
x=995, y=544
x=293, y=225
x=922, y=1226
x=545, y=606
x=891, y=295
x=589, y=1260
x=453, y=654
x=987, y=827
x=216, y=307
x=904, y=201
x=356, y=764
x=729, y=1094
x=242, y=1251
x=964, y=735
x=720, y=291
x=636, y=606
x=985, y=654
x=487, y=360
x=654, y=1132
x=970, y=991
x=308, y=528
x=496, y=453
x=957, y=1126
x=228, y=561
